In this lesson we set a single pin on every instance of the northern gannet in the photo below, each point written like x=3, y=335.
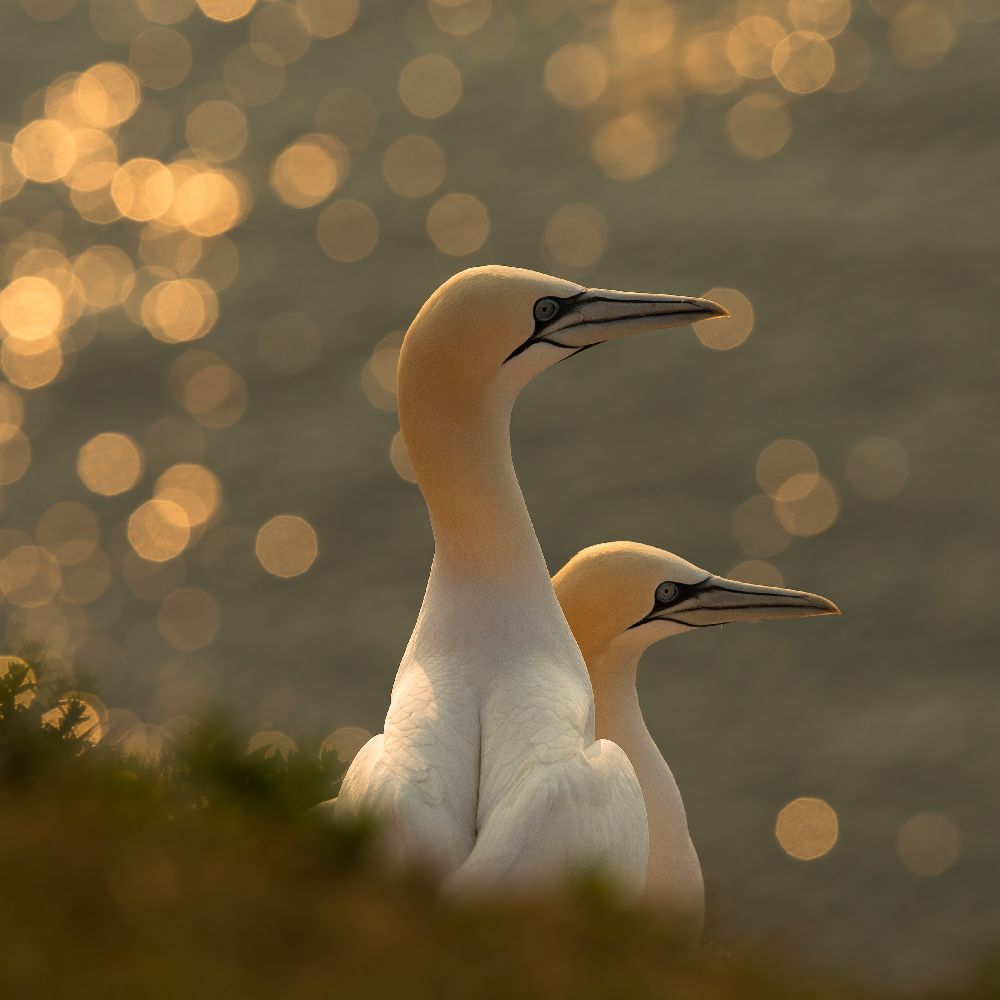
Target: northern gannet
x=619, y=598
x=488, y=761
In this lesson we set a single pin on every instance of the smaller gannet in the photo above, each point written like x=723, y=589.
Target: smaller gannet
x=619, y=598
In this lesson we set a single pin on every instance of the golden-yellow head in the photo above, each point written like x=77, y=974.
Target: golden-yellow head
x=626, y=590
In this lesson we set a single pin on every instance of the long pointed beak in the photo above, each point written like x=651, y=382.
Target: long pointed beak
x=601, y=314
x=719, y=601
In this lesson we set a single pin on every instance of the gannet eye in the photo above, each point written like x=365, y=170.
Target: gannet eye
x=545, y=309
x=667, y=592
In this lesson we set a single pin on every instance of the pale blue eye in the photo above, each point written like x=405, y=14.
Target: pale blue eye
x=545, y=309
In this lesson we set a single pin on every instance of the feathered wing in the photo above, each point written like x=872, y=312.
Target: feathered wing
x=559, y=819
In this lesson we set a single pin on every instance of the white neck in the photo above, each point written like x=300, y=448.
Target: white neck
x=674, y=875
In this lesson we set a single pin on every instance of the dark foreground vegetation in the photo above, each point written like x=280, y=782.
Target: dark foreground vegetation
x=204, y=874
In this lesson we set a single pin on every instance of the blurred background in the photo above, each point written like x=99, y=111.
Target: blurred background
x=219, y=216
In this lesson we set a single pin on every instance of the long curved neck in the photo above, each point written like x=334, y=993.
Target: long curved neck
x=673, y=875
x=460, y=452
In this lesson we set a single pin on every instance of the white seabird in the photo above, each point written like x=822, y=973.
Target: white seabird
x=619, y=598
x=488, y=767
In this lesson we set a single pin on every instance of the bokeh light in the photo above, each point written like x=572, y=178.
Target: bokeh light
x=928, y=844
x=287, y=545
x=347, y=230
x=309, y=170
x=414, y=166
x=216, y=131
x=576, y=74
x=109, y=464
x=806, y=828
x=430, y=86
x=458, y=224
x=786, y=465
x=161, y=58
x=808, y=504
x=730, y=331
x=759, y=125
x=345, y=742
x=158, y=530
x=576, y=235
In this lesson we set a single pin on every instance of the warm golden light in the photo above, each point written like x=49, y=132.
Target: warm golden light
x=15, y=453
x=759, y=125
x=576, y=235
x=32, y=364
x=813, y=508
x=288, y=343
x=189, y=619
x=347, y=230
x=928, y=844
x=731, y=331
x=31, y=308
x=460, y=17
x=783, y=462
x=106, y=276
x=68, y=530
x=627, y=148
x=878, y=468
x=823, y=17
x=803, y=62
x=706, y=65
x=91, y=726
x=458, y=224
x=109, y=464
x=180, y=309
x=279, y=34
x=160, y=57
x=430, y=86
x=12, y=175
x=107, y=94
x=45, y=150
x=208, y=202
x=751, y=44
x=216, y=131
x=142, y=189
x=309, y=170
x=287, y=545
x=807, y=828
x=400, y=458
x=328, y=18
x=158, y=530
x=271, y=743
x=345, y=742
x=195, y=489
x=26, y=694
x=414, y=166
x=920, y=34
x=378, y=377
x=576, y=75
x=226, y=10
x=166, y=11
x=642, y=27
x=212, y=392
x=29, y=576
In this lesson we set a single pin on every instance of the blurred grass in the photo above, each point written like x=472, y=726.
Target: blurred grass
x=201, y=874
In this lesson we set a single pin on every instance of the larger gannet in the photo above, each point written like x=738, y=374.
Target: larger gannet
x=488, y=759
x=619, y=598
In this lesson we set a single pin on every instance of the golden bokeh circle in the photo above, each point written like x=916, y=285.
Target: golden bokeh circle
x=783, y=460
x=286, y=545
x=458, y=224
x=46, y=150
x=69, y=530
x=279, y=34
x=920, y=34
x=31, y=308
x=189, y=619
x=430, y=86
x=106, y=94
x=807, y=828
x=109, y=464
x=309, y=170
x=812, y=505
x=576, y=75
x=576, y=235
x=723, y=334
x=158, y=530
x=142, y=189
x=15, y=453
x=757, y=529
x=803, y=62
x=627, y=147
x=216, y=131
x=750, y=46
x=345, y=742
x=226, y=10
x=347, y=230
x=414, y=166
x=161, y=58
x=928, y=844
x=329, y=18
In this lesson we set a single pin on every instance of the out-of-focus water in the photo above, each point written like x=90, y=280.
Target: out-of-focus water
x=867, y=247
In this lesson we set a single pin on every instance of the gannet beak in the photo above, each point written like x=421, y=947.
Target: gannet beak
x=599, y=314
x=717, y=601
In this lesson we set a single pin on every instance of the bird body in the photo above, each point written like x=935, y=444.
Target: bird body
x=488, y=768
x=619, y=598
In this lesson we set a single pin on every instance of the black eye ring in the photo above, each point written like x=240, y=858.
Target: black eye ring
x=667, y=592
x=546, y=309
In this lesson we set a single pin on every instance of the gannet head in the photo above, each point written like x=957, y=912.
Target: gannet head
x=496, y=325
x=627, y=596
